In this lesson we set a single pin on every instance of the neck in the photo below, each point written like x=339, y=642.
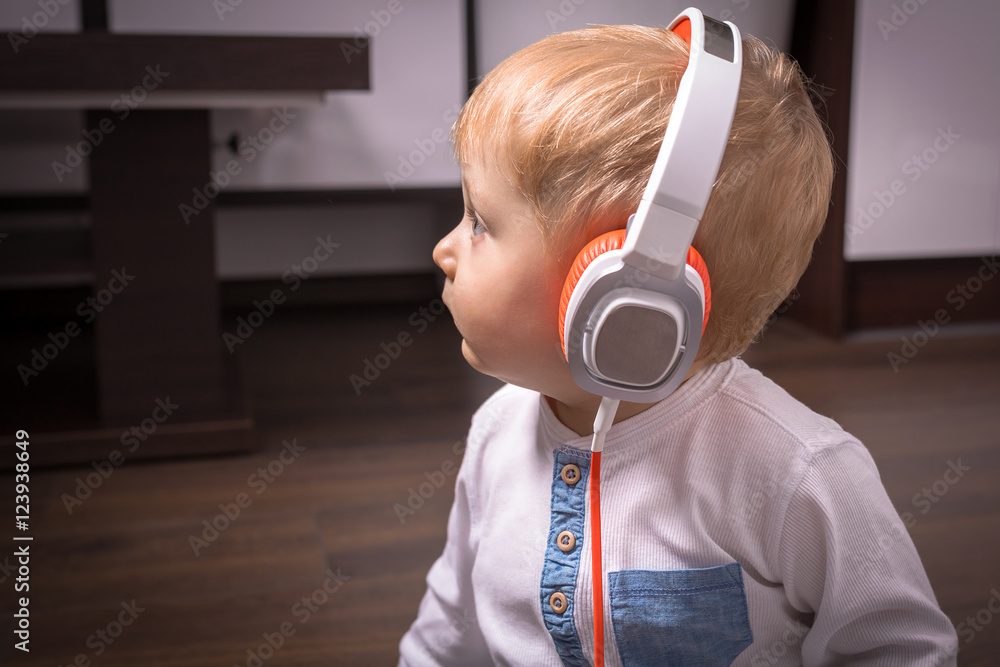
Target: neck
x=579, y=415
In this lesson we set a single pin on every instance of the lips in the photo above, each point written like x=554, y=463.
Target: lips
x=444, y=295
x=454, y=320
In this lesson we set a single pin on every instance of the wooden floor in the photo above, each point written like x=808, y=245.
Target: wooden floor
x=328, y=509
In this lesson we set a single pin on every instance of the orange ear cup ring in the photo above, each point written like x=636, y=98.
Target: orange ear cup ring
x=614, y=240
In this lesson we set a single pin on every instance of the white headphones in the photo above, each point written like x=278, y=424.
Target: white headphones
x=636, y=301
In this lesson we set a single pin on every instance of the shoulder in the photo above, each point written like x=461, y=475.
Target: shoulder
x=771, y=443
x=757, y=448
x=750, y=403
x=790, y=450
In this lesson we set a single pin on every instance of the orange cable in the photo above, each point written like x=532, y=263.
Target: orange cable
x=595, y=547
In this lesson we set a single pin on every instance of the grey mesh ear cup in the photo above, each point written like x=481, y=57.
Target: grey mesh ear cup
x=633, y=339
x=633, y=343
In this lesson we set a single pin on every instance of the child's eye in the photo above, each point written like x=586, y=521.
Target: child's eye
x=477, y=226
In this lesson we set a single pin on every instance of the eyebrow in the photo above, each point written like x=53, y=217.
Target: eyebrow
x=467, y=189
x=490, y=223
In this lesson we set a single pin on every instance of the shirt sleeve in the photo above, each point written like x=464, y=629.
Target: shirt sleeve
x=847, y=559
x=446, y=631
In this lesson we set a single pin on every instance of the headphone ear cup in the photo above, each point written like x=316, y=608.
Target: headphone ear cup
x=612, y=240
x=696, y=262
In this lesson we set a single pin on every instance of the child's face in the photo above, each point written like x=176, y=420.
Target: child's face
x=501, y=287
x=503, y=290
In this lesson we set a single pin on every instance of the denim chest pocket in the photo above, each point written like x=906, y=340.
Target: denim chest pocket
x=680, y=617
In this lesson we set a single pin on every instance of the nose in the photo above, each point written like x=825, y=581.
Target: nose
x=444, y=254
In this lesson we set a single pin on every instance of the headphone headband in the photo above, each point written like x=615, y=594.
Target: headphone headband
x=693, y=144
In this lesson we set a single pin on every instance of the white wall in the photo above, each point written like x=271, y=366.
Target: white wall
x=505, y=27
x=355, y=139
x=923, y=173
x=417, y=76
x=934, y=71
x=352, y=141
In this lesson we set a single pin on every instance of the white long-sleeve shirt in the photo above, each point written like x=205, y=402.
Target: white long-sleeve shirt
x=731, y=513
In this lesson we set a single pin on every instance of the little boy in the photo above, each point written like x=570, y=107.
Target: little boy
x=739, y=526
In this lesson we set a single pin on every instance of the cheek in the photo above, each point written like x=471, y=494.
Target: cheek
x=506, y=309
x=524, y=314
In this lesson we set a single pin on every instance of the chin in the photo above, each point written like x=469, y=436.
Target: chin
x=536, y=375
x=473, y=358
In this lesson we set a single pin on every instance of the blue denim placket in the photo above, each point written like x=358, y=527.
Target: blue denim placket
x=560, y=569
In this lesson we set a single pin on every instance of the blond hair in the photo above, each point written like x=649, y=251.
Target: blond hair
x=575, y=122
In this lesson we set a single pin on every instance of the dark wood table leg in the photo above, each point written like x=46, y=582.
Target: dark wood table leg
x=161, y=335
x=161, y=363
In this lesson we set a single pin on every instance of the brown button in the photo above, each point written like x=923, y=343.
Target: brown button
x=566, y=540
x=571, y=474
x=558, y=602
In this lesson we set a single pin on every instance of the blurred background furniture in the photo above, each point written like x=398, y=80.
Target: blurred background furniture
x=158, y=335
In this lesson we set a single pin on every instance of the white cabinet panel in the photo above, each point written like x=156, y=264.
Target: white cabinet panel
x=24, y=17
x=357, y=137
x=923, y=173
